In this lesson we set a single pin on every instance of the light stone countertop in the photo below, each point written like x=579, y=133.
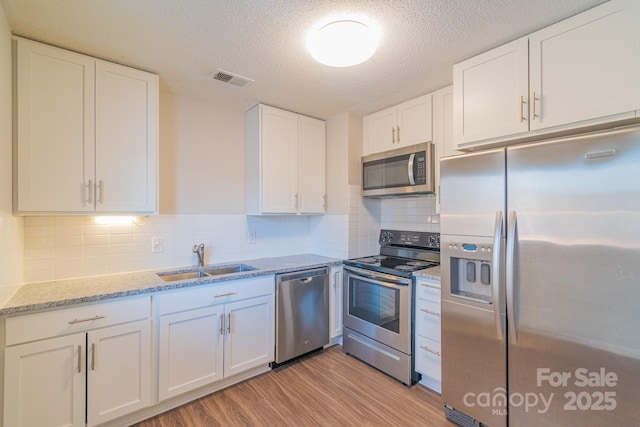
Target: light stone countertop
x=45, y=295
x=432, y=273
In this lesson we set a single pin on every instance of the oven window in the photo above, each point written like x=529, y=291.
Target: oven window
x=375, y=303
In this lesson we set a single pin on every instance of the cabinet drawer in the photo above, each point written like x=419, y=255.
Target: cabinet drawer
x=53, y=323
x=217, y=293
x=428, y=320
x=429, y=362
x=429, y=290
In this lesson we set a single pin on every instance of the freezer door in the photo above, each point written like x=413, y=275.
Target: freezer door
x=472, y=190
x=573, y=281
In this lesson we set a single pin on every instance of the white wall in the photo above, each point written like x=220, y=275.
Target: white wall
x=11, y=229
x=201, y=157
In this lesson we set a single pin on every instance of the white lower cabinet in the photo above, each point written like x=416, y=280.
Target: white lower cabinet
x=82, y=368
x=208, y=333
x=335, y=305
x=427, y=340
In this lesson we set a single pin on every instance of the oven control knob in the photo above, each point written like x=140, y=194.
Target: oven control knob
x=386, y=237
x=432, y=240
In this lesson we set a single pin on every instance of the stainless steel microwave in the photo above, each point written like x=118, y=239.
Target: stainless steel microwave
x=406, y=171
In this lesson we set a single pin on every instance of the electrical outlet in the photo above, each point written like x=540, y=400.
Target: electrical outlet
x=251, y=237
x=157, y=244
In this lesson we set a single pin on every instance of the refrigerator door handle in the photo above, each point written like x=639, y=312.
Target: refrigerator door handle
x=510, y=277
x=495, y=280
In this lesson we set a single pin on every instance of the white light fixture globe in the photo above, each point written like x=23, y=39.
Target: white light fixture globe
x=342, y=43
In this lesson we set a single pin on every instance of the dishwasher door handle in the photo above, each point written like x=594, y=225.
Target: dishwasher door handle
x=305, y=280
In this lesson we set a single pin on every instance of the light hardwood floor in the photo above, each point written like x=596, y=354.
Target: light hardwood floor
x=328, y=388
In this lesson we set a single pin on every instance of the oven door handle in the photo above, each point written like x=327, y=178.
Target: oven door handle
x=386, y=278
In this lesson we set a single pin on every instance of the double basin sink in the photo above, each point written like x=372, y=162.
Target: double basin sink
x=203, y=272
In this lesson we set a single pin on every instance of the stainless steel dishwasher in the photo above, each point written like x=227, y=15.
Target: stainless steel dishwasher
x=302, y=312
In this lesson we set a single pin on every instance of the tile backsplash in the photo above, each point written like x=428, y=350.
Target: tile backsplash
x=66, y=247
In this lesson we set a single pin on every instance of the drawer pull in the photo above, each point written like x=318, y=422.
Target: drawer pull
x=437, y=353
x=433, y=313
x=79, y=359
x=90, y=319
x=426, y=285
x=225, y=295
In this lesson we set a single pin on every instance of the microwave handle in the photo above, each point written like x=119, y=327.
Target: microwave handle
x=412, y=179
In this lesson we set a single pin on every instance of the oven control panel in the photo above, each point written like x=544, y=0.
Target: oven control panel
x=419, y=239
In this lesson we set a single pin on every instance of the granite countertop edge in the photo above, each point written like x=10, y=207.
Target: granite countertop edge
x=432, y=273
x=60, y=293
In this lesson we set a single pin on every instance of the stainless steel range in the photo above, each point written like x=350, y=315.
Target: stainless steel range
x=378, y=301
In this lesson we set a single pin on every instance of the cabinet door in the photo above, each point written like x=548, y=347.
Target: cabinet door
x=55, y=129
x=191, y=350
x=279, y=161
x=126, y=139
x=249, y=340
x=414, y=122
x=490, y=94
x=118, y=371
x=44, y=383
x=586, y=67
x=335, y=303
x=312, y=166
x=442, y=132
x=380, y=131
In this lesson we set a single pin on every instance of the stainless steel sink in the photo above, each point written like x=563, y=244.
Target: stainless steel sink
x=228, y=269
x=206, y=272
x=171, y=277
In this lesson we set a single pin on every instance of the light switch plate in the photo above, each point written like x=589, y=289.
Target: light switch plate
x=157, y=244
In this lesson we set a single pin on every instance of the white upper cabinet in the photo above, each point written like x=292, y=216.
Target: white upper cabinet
x=490, y=94
x=126, y=139
x=285, y=164
x=442, y=132
x=581, y=72
x=402, y=125
x=86, y=134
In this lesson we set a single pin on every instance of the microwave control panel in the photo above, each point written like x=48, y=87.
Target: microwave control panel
x=420, y=168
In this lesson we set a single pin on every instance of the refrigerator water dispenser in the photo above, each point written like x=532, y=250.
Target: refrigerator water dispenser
x=471, y=279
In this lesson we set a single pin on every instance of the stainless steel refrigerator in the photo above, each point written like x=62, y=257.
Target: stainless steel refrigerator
x=540, y=259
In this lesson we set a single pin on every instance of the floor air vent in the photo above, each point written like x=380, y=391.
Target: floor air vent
x=460, y=418
x=227, y=77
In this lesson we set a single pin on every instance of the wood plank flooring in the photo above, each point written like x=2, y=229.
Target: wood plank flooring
x=328, y=388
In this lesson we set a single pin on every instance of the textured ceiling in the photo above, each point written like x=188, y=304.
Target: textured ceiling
x=184, y=41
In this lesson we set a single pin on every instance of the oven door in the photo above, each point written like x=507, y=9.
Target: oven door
x=378, y=306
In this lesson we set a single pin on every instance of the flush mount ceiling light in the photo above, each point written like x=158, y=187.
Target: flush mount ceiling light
x=342, y=43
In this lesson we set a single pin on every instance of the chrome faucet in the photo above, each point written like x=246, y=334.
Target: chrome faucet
x=199, y=250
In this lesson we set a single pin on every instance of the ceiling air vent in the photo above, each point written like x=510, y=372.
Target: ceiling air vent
x=227, y=77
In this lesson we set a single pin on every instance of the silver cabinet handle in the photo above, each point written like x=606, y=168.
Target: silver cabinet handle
x=101, y=189
x=91, y=189
x=296, y=200
x=79, y=359
x=93, y=356
x=89, y=319
x=437, y=353
x=433, y=313
x=224, y=295
x=229, y=323
x=393, y=135
x=426, y=285
x=510, y=278
x=398, y=140
x=534, y=106
x=522, y=102
x=497, y=251
x=221, y=324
